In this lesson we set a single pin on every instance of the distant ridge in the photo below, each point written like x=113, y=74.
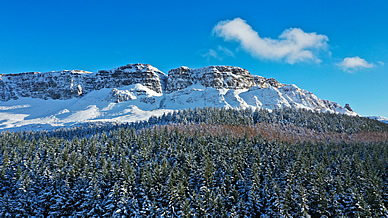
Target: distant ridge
x=137, y=91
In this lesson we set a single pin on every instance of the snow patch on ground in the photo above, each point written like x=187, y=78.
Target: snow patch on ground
x=137, y=102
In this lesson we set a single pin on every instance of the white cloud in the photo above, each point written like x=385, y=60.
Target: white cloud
x=224, y=51
x=210, y=53
x=381, y=63
x=350, y=64
x=220, y=53
x=293, y=45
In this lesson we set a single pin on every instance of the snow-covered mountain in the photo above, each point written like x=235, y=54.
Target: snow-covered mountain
x=137, y=91
x=379, y=118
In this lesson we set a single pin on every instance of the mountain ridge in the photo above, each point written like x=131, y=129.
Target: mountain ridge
x=136, y=91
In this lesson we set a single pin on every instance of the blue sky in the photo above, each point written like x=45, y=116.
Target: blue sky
x=336, y=49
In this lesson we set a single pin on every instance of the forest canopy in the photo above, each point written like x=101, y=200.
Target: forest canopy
x=197, y=162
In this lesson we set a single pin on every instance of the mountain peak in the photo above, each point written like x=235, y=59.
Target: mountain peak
x=137, y=67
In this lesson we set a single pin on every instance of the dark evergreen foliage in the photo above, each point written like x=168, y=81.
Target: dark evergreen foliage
x=321, y=122
x=130, y=170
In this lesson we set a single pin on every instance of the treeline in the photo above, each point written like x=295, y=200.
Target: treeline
x=169, y=172
x=278, y=132
x=319, y=122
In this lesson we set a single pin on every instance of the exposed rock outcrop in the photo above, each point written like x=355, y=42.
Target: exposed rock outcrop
x=55, y=85
x=143, y=74
x=217, y=77
x=76, y=83
x=347, y=106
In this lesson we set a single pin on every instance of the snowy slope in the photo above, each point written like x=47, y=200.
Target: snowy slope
x=148, y=92
x=379, y=118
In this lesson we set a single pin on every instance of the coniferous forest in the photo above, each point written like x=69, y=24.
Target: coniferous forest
x=200, y=162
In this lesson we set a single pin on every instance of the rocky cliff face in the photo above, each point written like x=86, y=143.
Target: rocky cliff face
x=76, y=83
x=143, y=74
x=51, y=85
x=217, y=77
